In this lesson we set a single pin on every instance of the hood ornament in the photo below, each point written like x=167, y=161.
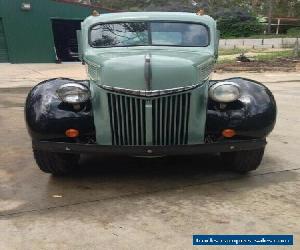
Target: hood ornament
x=148, y=72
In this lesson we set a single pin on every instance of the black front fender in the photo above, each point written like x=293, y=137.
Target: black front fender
x=48, y=118
x=252, y=116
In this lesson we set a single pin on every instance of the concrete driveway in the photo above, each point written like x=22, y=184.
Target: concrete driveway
x=128, y=203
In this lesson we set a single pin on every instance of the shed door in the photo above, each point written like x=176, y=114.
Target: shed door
x=3, y=45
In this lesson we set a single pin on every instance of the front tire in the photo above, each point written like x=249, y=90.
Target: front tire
x=56, y=163
x=243, y=161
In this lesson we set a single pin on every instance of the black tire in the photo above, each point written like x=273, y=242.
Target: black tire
x=56, y=163
x=243, y=161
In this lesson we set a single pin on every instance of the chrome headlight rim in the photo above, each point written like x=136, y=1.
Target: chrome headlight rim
x=66, y=90
x=214, y=87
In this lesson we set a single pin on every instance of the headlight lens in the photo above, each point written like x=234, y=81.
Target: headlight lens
x=225, y=92
x=73, y=93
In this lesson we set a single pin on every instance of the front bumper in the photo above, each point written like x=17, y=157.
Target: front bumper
x=148, y=151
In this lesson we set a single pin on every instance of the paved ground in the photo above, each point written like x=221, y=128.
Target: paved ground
x=143, y=204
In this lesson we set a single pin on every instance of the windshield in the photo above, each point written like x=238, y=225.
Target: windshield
x=149, y=34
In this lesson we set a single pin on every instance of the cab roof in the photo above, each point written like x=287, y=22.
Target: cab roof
x=149, y=16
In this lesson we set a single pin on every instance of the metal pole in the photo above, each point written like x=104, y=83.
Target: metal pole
x=278, y=25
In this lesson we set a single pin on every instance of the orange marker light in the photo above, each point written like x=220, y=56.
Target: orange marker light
x=229, y=133
x=72, y=133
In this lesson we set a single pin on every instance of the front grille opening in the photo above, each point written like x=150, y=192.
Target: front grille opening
x=127, y=120
x=170, y=120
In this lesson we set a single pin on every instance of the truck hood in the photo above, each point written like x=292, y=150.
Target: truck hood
x=168, y=69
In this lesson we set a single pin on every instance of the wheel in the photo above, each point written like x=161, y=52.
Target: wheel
x=56, y=163
x=243, y=161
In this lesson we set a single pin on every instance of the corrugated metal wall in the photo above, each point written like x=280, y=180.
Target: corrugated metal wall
x=3, y=45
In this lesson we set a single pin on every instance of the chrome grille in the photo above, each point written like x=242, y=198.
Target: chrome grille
x=169, y=119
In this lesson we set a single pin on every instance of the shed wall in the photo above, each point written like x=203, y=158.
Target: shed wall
x=29, y=35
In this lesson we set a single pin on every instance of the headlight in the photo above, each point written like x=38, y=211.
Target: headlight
x=225, y=92
x=73, y=93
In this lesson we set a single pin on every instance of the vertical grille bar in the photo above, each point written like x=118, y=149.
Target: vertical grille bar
x=177, y=115
x=139, y=134
x=154, y=108
x=168, y=119
x=182, y=121
x=120, y=120
x=158, y=120
x=173, y=121
x=129, y=120
x=144, y=122
x=134, y=127
x=125, y=126
x=188, y=105
x=163, y=121
x=137, y=121
x=112, y=121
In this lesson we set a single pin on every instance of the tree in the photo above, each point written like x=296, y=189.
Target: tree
x=259, y=7
x=270, y=16
x=237, y=22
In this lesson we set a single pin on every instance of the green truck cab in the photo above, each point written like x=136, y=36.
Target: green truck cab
x=149, y=94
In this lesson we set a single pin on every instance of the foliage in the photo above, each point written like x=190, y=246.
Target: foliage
x=274, y=55
x=133, y=4
x=280, y=7
x=268, y=36
x=237, y=23
x=294, y=32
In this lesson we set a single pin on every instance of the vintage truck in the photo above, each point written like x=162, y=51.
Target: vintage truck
x=149, y=94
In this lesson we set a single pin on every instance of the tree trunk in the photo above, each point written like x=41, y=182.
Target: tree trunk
x=270, y=16
x=291, y=9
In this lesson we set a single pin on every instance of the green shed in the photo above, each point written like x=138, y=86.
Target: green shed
x=41, y=31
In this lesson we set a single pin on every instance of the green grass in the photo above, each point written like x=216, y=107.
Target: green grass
x=225, y=61
x=274, y=55
x=228, y=52
x=262, y=55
